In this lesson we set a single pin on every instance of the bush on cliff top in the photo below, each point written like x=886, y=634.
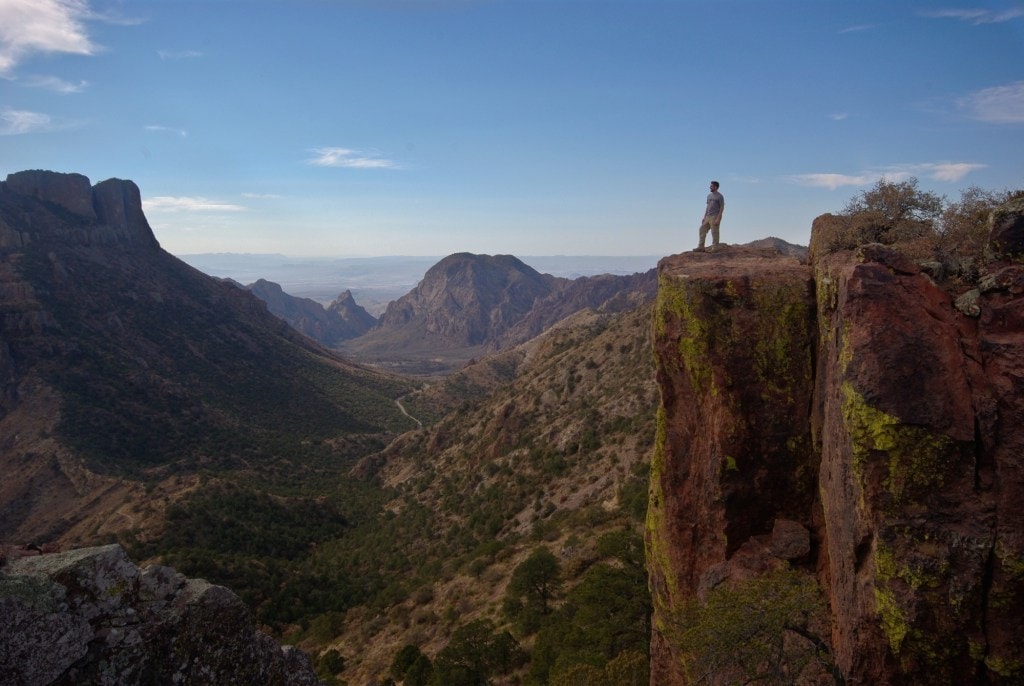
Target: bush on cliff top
x=921, y=224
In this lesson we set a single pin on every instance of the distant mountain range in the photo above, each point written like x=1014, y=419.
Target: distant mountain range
x=376, y=281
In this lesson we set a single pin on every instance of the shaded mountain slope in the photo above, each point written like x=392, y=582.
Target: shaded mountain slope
x=120, y=363
x=341, y=320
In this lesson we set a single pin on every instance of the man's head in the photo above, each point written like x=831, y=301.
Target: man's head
x=714, y=185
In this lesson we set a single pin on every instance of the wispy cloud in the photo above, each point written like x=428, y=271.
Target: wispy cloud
x=831, y=181
x=52, y=83
x=169, y=203
x=262, y=196
x=838, y=116
x=156, y=128
x=16, y=122
x=178, y=54
x=47, y=26
x=952, y=171
x=857, y=28
x=949, y=172
x=977, y=16
x=998, y=105
x=350, y=159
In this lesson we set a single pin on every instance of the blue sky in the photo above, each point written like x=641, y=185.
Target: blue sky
x=531, y=127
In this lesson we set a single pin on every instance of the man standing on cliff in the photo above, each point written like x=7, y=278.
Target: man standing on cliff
x=712, y=217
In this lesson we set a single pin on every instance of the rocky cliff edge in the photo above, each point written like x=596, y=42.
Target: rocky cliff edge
x=90, y=616
x=109, y=212
x=848, y=422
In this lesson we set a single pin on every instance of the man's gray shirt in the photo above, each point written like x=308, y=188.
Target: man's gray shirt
x=715, y=204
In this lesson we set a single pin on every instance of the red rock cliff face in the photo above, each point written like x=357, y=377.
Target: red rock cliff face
x=853, y=401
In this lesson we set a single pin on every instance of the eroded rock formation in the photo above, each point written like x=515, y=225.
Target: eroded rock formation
x=90, y=616
x=850, y=399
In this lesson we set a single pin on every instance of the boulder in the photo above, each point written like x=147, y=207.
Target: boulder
x=92, y=616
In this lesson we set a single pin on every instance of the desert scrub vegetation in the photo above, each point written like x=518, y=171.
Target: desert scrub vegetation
x=772, y=629
x=950, y=235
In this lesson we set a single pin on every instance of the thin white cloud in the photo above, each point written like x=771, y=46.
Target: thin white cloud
x=997, y=105
x=262, y=196
x=948, y=172
x=952, y=171
x=57, y=85
x=831, y=181
x=977, y=16
x=16, y=122
x=349, y=159
x=42, y=26
x=858, y=28
x=178, y=54
x=166, y=129
x=168, y=203
x=838, y=116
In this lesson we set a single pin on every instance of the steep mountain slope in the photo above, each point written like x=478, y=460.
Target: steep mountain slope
x=545, y=444
x=124, y=369
x=468, y=304
x=341, y=320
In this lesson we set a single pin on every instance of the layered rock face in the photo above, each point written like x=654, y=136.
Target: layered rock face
x=852, y=400
x=90, y=616
x=110, y=212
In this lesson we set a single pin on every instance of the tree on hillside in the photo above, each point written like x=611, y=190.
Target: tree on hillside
x=533, y=585
x=475, y=653
x=603, y=625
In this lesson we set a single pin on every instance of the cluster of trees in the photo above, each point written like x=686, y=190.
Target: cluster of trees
x=591, y=630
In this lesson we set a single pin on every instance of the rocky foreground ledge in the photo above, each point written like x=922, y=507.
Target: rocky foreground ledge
x=90, y=616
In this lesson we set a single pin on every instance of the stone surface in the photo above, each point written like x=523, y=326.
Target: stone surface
x=734, y=344
x=105, y=214
x=71, y=191
x=1007, y=231
x=118, y=205
x=90, y=616
x=886, y=426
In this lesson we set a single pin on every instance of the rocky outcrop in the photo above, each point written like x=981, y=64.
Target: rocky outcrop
x=91, y=616
x=108, y=213
x=734, y=345
x=344, y=319
x=852, y=400
x=359, y=321
x=1007, y=230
